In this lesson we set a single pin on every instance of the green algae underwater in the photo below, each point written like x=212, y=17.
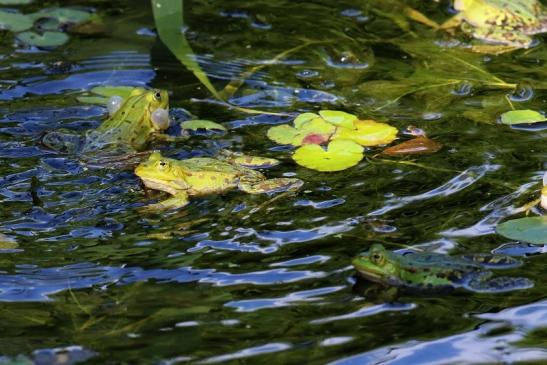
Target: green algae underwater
x=87, y=277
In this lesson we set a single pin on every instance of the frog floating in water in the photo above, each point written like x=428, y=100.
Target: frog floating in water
x=432, y=272
x=132, y=125
x=502, y=22
x=203, y=175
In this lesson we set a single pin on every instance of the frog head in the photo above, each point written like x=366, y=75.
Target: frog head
x=378, y=265
x=161, y=173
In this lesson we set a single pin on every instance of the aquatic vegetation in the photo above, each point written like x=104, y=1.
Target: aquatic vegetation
x=522, y=116
x=528, y=229
x=329, y=126
x=50, y=25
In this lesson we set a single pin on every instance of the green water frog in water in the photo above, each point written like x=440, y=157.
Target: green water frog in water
x=503, y=22
x=133, y=123
x=203, y=175
x=431, y=272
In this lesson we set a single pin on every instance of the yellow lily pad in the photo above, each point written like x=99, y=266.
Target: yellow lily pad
x=339, y=155
x=307, y=131
x=367, y=133
x=338, y=118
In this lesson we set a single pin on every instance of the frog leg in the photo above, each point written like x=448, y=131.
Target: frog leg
x=248, y=161
x=493, y=261
x=270, y=186
x=178, y=200
x=482, y=283
x=452, y=23
x=503, y=37
x=64, y=141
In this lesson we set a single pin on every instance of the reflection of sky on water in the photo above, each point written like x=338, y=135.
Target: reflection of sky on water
x=31, y=283
x=487, y=344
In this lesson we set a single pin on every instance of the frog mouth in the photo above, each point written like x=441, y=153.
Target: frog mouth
x=372, y=276
x=158, y=184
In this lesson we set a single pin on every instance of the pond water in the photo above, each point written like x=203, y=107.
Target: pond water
x=238, y=278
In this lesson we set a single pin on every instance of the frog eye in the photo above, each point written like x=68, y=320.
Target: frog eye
x=377, y=258
x=157, y=95
x=162, y=165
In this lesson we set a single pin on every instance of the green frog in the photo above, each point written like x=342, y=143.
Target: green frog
x=503, y=22
x=432, y=272
x=204, y=175
x=133, y=123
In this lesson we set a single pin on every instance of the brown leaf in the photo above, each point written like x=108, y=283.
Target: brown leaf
x=417, y=146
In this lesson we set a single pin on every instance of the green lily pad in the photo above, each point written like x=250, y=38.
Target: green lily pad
x=522, y=116
x=201, y=124
x=15, y=22
x=103, y=93
x=304, y=118
x=339, y=155
x=368, y=133
x=338, y=118
x=63, y=15
x=47, y=39
x=308, y=130
x=529, y=229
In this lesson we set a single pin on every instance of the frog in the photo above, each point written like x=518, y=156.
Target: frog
x=434, y=272
x=133, y=123
x=508, y=23
x=200, y=176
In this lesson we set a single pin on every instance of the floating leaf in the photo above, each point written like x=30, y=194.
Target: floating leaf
x=63, y=15
x=201, y=124
x=47, y=39
x=304, y=118
x=522, y=116
x=308, y=131
x=338, y=118
x=416, y=146
x=368, y=133
x=340, y=155
x=529, y=229
x=14, y=22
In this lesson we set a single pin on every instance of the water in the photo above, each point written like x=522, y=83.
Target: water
x=94, y=279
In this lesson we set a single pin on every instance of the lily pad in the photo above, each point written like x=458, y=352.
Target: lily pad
x=339, y=155
x=63, y=15
x=306, y=131
x=46, y=39
x=15, y=22
x=529, y=229
x=522, y=116
x=338, y=118
x=201, y=124
x=368, y=133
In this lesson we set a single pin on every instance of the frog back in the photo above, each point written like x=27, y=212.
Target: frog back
x=131, y=124
x=208, y=175
x=431, y=271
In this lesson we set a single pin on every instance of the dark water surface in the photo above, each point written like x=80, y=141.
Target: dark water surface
x=223, y=282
